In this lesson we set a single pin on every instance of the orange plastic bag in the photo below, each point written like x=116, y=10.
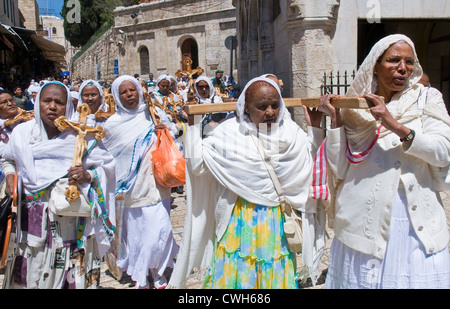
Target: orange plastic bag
x=168, y=162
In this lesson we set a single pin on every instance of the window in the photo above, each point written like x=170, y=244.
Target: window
x=145, y=60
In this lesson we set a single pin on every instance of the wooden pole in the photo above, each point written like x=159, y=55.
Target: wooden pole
x=338, y=102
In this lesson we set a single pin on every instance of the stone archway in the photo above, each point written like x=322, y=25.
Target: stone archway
x=189, y=49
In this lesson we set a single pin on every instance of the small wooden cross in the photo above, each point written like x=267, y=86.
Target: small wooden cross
x=101, y=115
x=22, y=116
x=82, y=131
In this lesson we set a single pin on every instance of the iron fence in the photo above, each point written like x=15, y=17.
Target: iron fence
x=336, y=84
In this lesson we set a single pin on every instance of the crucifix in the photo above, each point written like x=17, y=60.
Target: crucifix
x=22, y=116
x=82, y=130
x=189, y=72
x=101, y=114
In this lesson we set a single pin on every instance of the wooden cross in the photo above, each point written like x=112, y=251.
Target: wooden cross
x=338, y=102
x=82, y=131
x=101, y=115
x=189, y=73
x=151, y=104
x=22, y=116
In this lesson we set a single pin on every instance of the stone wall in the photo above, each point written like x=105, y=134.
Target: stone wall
x=162, y=27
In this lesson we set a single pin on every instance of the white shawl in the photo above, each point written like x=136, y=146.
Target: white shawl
x=360, y=125
x=232, y=167
x=129, y=135
x=40, y=162
x=92, y=121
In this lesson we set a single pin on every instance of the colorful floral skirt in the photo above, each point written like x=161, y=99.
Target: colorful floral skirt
x=253, y=252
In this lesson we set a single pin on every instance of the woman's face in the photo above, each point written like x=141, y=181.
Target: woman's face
x=395, y=68
x=52, y=103
x=164, y=87
x=263, y=105
x=91, y=97
x=8, y=106
x=203, y=89
x=129, y=95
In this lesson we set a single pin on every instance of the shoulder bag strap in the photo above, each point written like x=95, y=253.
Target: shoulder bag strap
x=269, y=167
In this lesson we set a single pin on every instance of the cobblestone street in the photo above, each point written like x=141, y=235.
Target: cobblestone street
x=107, y=280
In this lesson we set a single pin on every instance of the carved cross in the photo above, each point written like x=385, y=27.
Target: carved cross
x=82, y=130
x=22, y=116
x=189, y=72
x=101, y=114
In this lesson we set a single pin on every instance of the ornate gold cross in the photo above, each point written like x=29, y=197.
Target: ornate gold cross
x=82, y=130
x=189, y=73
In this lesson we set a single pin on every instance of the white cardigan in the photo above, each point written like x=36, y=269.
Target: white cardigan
x=364, y=200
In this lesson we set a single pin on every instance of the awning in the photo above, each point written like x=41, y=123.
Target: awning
x=50, y=50
x=11, y=38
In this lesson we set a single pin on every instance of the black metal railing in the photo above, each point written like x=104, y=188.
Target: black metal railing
x=336, y=84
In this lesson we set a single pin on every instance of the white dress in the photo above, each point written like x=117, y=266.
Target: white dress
x=405, y=265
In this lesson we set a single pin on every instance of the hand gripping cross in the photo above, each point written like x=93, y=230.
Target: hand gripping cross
x=82, y=130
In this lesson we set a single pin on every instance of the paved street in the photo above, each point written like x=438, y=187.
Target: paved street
x=177, y=215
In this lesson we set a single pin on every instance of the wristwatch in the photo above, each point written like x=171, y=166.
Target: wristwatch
x=408, y=137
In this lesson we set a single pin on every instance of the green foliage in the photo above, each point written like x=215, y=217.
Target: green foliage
x=93, y=14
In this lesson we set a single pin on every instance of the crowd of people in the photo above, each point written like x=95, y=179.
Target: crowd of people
x=376, y=173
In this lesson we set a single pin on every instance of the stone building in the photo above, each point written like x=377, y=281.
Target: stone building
x=155, y=37
x=301, y=40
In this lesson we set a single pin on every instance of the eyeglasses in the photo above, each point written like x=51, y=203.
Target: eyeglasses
x=203, y=86
x=397, y=61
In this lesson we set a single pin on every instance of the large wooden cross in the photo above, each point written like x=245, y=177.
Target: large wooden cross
x=338, y=102
x=82, y=130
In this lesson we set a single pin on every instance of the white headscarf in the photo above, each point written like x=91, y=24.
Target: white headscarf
x=94, y=83
x=129, y=133
x=360, y=125
x=39, y=133
x=212, y=91
x=236, y=169
x=40, y=162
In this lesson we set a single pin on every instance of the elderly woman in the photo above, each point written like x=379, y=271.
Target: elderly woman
x=59, y=251
x=147, y=239
x=234, y=222
x=390, y=226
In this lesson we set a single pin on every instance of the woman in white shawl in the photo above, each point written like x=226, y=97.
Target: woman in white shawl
x=390, y=225
x=234, y=224
x=206, y=93
x=91, y=93
x=143, y=206
x=59, y=251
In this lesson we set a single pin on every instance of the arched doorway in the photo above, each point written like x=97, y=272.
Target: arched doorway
x=144, y=58
x=189, y=49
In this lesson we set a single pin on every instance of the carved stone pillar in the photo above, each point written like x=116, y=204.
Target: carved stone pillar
x=311, y=26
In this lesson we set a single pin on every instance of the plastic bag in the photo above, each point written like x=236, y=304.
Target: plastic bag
x=168, y=162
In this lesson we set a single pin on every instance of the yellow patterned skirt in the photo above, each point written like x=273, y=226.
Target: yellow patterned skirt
x=253, y=253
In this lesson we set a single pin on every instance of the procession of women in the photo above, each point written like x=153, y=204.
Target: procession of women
x=86, y=182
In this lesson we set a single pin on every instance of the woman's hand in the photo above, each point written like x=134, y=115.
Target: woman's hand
x=159, y=126
x=329, y=110
x=9, y=190
x=313, y=116
x=381, y=113
x=77, y=174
